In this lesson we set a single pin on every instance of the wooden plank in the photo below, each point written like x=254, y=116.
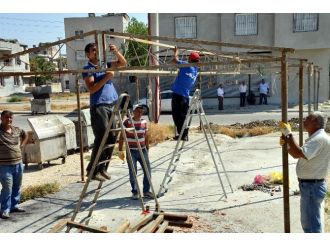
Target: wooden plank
x=152, y=226
x=59, y=226
x=181, y=223
x=142, y=220
x=80, y=226
x=122, y=228
x=171, y=216
x=162, y=227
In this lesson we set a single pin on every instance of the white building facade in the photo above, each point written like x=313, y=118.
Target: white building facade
x=307, y=33
x=12, y=84
x=76, y=58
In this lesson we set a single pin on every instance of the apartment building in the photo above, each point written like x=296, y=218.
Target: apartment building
x=13, y=84
x=307, y=33
x=76, y=58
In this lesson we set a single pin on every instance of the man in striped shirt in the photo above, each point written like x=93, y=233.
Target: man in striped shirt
x=142, y=133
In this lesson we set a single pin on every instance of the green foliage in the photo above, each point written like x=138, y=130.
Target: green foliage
x=135, y=49
x=39, y=64
x=36, y=191
x=14, y=98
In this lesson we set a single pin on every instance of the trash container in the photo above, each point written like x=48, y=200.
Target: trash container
x=48, y=141
x=41, y=99
x=70, y=134
x=87, y=131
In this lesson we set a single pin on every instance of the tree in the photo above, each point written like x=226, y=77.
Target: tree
x=136, y=49
x=38, y=64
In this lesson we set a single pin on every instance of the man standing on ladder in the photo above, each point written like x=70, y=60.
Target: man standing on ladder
x=103, y=97
x=181, y=87
x=141, y=128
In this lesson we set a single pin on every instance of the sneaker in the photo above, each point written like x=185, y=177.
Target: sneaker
x=185, y=138
x=105, y=174
x=17, y=210
x=148, y=194
x=135, y=197
x=5, y=215
x=98, y=177
x=175, y=138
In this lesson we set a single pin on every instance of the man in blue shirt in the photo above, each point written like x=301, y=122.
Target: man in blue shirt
x=181, y=87
x=103, y=96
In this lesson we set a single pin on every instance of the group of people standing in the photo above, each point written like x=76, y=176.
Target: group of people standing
x=263, y=92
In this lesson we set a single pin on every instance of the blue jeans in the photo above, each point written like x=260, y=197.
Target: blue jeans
x=312, y=195
x=136, y=157
x=11, y=181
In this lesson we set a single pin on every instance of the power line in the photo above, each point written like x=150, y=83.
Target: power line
x=32, y=20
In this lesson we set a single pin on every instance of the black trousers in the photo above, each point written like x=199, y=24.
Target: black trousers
x=263, y=97
x=242, y=97
x=180, y=106
x=220, y=105
x=100, y=116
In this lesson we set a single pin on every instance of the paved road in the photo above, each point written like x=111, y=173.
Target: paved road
x=226, y=118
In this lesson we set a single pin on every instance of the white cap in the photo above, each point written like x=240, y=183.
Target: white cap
x=137, y=106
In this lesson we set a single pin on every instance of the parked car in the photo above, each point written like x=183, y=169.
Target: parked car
x=165, y=102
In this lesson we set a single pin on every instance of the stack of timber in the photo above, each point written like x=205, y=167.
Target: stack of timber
x=157, y=222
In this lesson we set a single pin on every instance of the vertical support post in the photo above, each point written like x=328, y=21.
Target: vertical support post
x=314, y=87
x=81, y=148
x=301, y=101
x=285, y=158
x=318, y=89
x=96, y=38
x=104, y=46
x=309, y=87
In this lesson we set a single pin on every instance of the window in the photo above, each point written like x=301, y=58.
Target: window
x=18, y=60
x=305, y=22
x=80, y=56
x=67, y=84
x=2, y=81
x=246, y=24
x=112, y=30
x=79, y=32
x=16, y=80
x=7, y=62
x=186, y=27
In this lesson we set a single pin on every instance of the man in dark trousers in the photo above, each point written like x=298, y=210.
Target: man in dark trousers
x=181, y=87
x=312, y=168
x=103, y=97
x=12, y=140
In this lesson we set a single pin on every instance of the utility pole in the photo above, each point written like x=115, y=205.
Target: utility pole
x=60, y=66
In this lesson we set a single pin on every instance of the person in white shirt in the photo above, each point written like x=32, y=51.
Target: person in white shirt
x=242, y=93
x=312, y=168
x=220, y=93
x=263, y=91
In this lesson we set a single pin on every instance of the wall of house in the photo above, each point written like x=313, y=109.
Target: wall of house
x=118, y=23
x=9, y=86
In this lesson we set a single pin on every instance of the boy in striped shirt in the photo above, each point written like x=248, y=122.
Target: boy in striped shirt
x=142, y=133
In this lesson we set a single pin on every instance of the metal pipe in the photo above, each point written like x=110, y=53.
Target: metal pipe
x=301, y=101
x=314, y=87
x=309, y=87
x=81, y=149
x=318, y=89
x=285, y=160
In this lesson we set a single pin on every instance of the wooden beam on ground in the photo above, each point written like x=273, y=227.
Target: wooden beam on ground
x=172, y=217
x=122, y=228
x=59, y=226
x=180, y=223
x=144, y=219
x=152, y=225
x=162, y=227
x=83, y=227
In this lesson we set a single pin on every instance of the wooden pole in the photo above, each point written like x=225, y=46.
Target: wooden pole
x=301, y=101
x=285, y=160
x=314, y=87
x=104, y=44
x=81, y=148
x=318, y=89
x=309, y=87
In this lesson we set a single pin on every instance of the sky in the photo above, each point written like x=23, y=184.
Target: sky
x=33, y=28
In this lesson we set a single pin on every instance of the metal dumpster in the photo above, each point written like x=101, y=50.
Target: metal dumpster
x=48, y=141
x=70, y=134
x=41, y=99
x=87, y=131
